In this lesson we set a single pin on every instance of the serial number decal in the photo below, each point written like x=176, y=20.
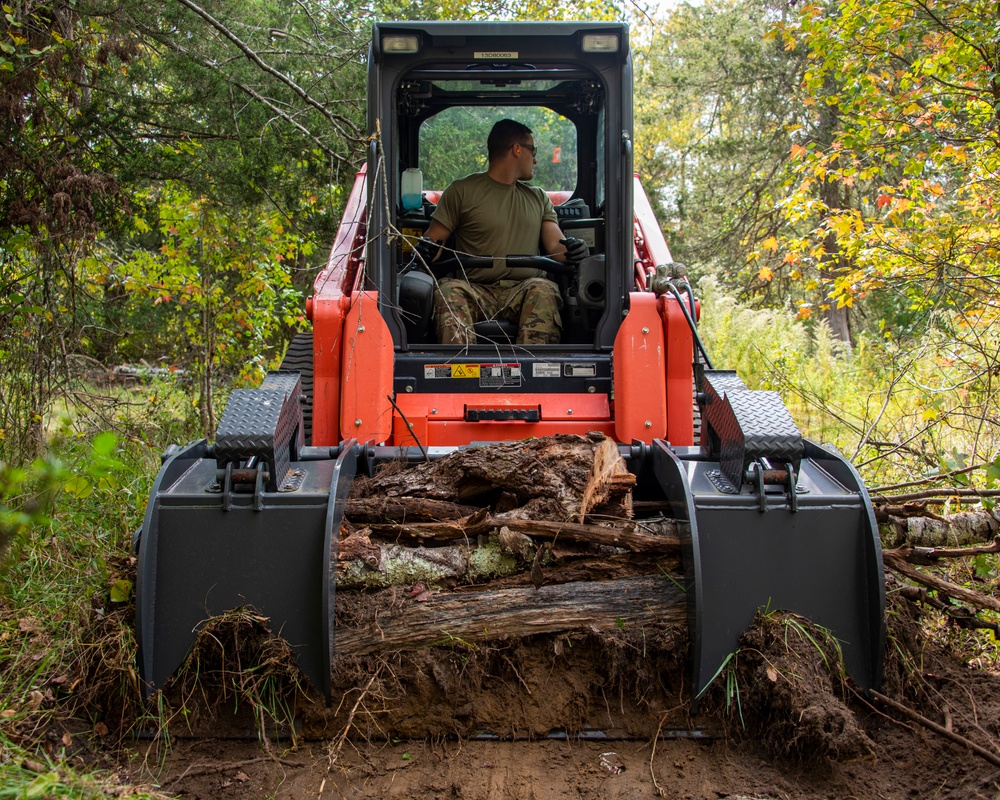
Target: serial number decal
x=494, y=375
x=451, y=370
x=496, y=54
x=581, y=370
x=541, y=369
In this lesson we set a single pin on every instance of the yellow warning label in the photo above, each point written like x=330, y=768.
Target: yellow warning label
x=465, y=370
x=410, y=235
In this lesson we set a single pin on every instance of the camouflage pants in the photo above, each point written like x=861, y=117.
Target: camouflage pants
x=532, y=304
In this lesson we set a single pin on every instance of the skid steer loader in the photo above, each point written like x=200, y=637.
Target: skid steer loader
x=772, y=520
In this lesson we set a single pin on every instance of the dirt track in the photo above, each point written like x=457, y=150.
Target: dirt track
x=794, y=731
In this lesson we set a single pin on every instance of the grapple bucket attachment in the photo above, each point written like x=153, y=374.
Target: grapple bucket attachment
x=775, y=522
x=207, y=548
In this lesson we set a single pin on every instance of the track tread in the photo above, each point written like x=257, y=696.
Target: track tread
x=299, y=358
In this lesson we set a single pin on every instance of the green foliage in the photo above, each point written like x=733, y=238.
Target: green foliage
x=56, y=603
x=453, y=144
x=898, y=409
x=713, y=103
x=222, y=279
x=27, y=494
x=912, y=159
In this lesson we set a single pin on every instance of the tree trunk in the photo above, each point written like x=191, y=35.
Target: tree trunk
x=561, y=478
x=461, y=618
x=955, y=530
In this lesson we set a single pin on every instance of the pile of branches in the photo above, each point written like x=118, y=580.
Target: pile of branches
x=505, y=540
x=924, y=543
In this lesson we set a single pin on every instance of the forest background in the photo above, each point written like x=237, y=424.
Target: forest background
x=171, y=176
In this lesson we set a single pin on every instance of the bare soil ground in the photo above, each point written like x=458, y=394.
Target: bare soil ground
x=600, y=717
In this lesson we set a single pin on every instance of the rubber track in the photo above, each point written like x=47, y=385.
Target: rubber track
x=700, y=360
x=299, y=358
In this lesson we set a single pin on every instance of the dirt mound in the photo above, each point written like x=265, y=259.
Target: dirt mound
x=789, y=693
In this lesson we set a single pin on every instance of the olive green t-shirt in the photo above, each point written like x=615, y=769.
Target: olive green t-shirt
x=495, y=219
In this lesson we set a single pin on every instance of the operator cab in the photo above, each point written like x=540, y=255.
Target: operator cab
x=441, y=89
x=447, y=141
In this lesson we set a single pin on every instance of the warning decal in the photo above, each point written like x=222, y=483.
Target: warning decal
x=488, y=375
x=494, y=375
x=465, y=370
x=451, y=370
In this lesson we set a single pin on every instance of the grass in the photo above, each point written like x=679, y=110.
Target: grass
x=897, y=409
x=68, y=687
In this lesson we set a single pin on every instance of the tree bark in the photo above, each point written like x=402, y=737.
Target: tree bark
x=558, y=478
x=464, y=618
x=930, y=530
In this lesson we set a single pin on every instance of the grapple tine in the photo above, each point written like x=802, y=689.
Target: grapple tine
x=205, y=550
x=822, y=561
x=806, y=543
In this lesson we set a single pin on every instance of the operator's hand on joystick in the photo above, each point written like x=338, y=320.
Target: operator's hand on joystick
x=426, y=250
x=576, y=249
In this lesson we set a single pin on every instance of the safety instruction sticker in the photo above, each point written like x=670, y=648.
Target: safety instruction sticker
x=451, y=370
x=488, y=375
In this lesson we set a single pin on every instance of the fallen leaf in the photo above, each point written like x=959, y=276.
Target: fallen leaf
x=772, y=673
x=121, y=590
x=241, y=777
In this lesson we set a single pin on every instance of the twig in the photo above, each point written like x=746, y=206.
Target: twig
x=935, y=495
x=409, y=427
x=930, y=480
x=962, y=617
x=335, y=750
x=214, y=767
x=652, y=756
x=926, y=555
x=912, y=715
x=976, y=599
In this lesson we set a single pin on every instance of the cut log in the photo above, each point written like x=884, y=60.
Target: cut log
x=459, y=618
x=558, y=478
x=955, y=530
x=366, y=560
x=404, y=509
x=649, y=536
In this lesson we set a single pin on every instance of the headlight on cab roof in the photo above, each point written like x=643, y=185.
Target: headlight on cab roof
x=400, y=43
x=600, y=43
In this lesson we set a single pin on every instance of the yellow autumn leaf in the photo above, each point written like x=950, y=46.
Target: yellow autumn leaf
x=841, y=224
x=765, y=274
x=770, y=243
